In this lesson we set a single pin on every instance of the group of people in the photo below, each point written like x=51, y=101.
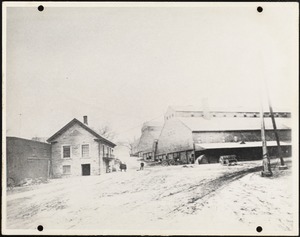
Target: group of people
x=123, y=167
x=110, y=169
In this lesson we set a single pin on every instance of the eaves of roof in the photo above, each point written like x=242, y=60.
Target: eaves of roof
x=76, y=121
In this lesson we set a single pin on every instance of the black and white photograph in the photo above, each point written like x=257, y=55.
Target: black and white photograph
x=150, y=118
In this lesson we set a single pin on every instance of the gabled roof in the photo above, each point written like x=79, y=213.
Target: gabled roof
x=76, y=121
x=233, y=124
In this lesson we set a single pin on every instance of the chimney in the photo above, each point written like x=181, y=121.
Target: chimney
x=205, y=108
x=85, y=120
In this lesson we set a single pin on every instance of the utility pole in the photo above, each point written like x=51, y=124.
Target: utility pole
x=282, y=165
x=154, y=150
x=266, y=160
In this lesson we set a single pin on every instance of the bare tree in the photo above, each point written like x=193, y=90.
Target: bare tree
x=35, y=139
x=39, y=139
x=106, y=132
x=131, y=144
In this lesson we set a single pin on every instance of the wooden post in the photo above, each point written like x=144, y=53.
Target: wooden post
x=266, y=160
x=282, y=165
x=49, y=169
x=99, y=151
x=154, y=149
x=194, y=153
x=186, y=157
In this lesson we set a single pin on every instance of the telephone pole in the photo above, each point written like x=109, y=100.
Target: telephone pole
x=266, y=160
x=282, y=165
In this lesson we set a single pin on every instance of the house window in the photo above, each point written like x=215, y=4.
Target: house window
x=107, y=151
x=66, y=151
x=66, y=169
x=85, y=150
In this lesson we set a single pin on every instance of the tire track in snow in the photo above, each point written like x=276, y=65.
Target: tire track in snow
x=207, y=189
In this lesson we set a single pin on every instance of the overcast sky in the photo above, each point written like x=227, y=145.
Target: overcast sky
x=124, y=66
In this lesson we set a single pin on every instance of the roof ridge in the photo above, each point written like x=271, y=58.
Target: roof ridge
x=75, y=120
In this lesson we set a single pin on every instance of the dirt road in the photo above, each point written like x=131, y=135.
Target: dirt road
x=192, y=198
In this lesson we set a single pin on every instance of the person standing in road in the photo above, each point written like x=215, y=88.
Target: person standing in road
x=142, y=166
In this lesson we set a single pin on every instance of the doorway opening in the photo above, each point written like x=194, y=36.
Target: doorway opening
x=86, y=169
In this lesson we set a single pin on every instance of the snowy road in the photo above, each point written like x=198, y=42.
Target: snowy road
x=193, y=198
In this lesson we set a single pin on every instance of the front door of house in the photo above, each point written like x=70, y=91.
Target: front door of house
x=86, y=169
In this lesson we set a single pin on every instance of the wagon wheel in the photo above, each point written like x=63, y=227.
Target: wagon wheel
x=164, y=163
x=172, y=162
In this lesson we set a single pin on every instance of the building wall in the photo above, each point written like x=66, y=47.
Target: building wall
x=177, y=140
x=171, y=113
x=76, y=136
x=229, y=136
x=175, y=136
x=26, y=159
x=149, y=134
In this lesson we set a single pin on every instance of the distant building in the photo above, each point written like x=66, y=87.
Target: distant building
x=26, y=159
x=148, y=140
x=77, y=150
x=189, y=132
x=204, y=111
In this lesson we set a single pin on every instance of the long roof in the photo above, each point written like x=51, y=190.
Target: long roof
x=233, y=124
x=76, y=121
x=223, y=145
x=193, y=108
x=25, y=139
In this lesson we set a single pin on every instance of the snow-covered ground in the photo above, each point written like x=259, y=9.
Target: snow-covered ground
x=195, y=199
